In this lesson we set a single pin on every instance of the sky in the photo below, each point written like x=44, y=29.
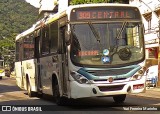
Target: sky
x=33, y=2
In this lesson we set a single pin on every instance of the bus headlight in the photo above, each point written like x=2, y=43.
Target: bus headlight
x=79, y=78
x=137, y=76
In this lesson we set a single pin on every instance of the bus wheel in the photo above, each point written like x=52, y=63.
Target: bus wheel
x=119, y=98
x=58, y=99
x=30, y=92
x=0, y=77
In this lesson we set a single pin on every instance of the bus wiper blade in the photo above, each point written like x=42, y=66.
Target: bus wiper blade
x=121, y=30
x=115, y=48
x=96, y=34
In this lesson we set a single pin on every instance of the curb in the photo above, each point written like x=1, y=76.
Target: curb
x=150, y=93
x=153, y=89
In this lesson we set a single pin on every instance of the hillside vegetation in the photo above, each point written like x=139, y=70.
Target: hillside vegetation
x=15, y=17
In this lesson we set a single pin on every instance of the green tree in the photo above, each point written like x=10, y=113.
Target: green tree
x=16, y=17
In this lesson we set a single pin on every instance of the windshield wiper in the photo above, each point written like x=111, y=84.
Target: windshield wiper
x=96, y=34
x=121, y=30
x=114, y=50
x=118, y=37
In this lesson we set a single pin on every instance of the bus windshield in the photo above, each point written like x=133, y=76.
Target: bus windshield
x=112, y=43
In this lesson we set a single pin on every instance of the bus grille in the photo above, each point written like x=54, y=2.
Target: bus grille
x=110, y=72
x=111, y=88
x=116, y=79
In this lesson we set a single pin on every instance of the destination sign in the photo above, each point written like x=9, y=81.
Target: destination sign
x=104, y=13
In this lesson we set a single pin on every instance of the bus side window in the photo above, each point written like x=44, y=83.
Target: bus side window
x=28, y=47
x=37, y=43
x=54, y=37
x=45, y=40
x=62, y=48
x=18, y=49
x=31, y=46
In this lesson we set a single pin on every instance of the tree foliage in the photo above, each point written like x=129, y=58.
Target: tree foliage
x=16, y=16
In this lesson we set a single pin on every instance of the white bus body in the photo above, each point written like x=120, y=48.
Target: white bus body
x=72, y=54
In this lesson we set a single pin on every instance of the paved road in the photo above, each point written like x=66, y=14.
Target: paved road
x=10, y=94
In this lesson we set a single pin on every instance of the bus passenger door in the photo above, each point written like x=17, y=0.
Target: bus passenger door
x=46, y=66
x=64, y=67
x=37, y=55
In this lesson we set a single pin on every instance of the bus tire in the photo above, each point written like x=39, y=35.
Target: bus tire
x=58, y=99
x=119, y=98
x=0, y=77
x=30, y=92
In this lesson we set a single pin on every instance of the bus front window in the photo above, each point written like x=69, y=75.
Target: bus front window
x=107, y=43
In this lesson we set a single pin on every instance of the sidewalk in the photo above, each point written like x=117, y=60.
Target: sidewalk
x=151, y=92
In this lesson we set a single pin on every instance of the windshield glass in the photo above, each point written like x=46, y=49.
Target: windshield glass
x=107, y=43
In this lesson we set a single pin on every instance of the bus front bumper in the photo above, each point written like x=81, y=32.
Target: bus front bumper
x=107, y=89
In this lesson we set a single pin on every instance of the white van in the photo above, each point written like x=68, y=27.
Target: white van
x=152, y=75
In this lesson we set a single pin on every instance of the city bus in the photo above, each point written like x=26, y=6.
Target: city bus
x=89, y=50
x=2, y=68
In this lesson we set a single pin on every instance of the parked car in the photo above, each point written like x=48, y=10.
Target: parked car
x=152, y=75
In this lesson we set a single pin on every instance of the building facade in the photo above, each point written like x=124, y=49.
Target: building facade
x=150, y=10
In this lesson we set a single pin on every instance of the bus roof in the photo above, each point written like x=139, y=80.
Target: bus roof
x=56, y=16
x=100, y=4
x=97, y=4
x=30, y=30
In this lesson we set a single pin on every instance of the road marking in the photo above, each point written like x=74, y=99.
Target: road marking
x=1, y=95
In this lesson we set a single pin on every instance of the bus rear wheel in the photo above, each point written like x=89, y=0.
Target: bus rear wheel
x=0, y=77
x=119, y=98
